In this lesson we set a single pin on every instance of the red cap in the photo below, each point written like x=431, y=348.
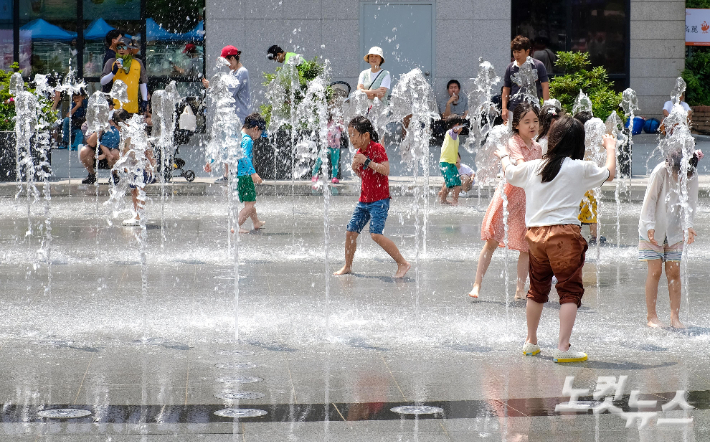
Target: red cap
x=189, y=48
x=229, y=50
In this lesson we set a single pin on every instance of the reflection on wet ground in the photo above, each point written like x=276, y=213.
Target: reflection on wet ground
x=323, y=366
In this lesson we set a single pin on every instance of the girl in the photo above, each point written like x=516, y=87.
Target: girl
x=662, y=217
x=375, y=82
x=548, y=115
x=335, y=130
x=523, y=148
x=370, y=163
x=553, y=187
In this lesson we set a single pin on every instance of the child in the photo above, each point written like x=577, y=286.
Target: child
x=370, y=163
x=521, y=47
x=254, y=125
x=466, y=175
x=588, y=205
x=661, y=232
x=553, y=187
x=523, y=148
x=548, y=115
x=447, y=163
x=137, y=163
x=335, y=130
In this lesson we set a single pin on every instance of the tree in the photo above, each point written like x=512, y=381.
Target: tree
x=595, y=83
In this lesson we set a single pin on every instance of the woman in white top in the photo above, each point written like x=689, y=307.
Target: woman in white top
x=668, y=107
x=554, y=185
x=661, y=232
x=375, y=82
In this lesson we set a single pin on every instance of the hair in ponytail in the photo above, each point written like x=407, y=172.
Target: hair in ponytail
x=363, y=125
x=565, y=140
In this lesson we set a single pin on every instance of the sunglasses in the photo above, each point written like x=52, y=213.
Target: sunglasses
x=121, y=47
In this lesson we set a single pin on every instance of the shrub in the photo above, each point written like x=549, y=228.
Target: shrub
x=595, y=83
x=7, y=101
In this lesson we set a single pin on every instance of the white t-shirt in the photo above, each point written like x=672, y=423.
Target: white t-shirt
x=367, y=76
x=557, y=202
x=465, y=170
x=668, y=107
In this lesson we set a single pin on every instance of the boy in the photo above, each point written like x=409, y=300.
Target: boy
x=447, y=163
x=254, y=125
x=521, y=47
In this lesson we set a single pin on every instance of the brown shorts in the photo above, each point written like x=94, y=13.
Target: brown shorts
x=559, y=251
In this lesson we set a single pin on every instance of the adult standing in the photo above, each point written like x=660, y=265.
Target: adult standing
x=240, y=92
x=277, y=54
x=521, y=47
x=130, y=71
x=375, y=82
x=112, y=39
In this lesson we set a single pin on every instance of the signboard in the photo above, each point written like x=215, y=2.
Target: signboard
x=697, y=27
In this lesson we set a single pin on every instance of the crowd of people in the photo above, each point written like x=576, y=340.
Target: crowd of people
x=548, y=185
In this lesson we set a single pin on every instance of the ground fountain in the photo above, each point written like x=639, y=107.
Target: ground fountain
x=71, y=86
x=163, y=103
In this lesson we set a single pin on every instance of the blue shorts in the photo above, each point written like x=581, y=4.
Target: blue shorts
x=375, y=212
x=147, y=179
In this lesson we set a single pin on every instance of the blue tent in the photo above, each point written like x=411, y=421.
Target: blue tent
x=196, y=34
x=97, y=30
x=42, y=30
x=154, y=32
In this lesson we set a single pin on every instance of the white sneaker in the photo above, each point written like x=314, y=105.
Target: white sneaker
x=531, y=349
x=568, y=356
x=131, y=222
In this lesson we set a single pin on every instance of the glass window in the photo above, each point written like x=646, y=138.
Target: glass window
x=7, y=49
x=175, y=41
x=48, y=39
x=94, y=41
x=594, y=26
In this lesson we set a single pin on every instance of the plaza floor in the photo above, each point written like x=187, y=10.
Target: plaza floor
x=323, y=358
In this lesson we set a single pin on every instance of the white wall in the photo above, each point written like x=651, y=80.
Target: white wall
x=465, y=31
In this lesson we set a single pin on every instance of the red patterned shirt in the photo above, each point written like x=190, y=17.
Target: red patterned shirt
x=375, y=186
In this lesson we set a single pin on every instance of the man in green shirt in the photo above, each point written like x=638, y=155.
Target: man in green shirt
x=277, y=54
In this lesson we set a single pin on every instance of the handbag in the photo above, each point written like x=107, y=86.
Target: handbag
x=188, y=120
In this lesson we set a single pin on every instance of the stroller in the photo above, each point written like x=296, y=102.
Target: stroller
x=176, y=164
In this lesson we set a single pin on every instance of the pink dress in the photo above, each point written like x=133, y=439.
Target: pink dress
x=492, y=226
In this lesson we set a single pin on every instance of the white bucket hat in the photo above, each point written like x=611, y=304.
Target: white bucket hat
x=375, y=50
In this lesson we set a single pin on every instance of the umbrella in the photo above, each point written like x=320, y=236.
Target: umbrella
x=97, y=30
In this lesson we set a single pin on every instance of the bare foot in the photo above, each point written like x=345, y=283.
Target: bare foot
x=520, y=295
x=474, y=291
x=455, y=202
x=675, y=323
x=243, y=230
x=344, y=271
x=655, y=323
x=259, y=225
x=402, y=269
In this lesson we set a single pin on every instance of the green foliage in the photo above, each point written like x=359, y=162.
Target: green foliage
x=7, y=101
x=697, y=4
x=697, y=76
x=308, y=70
x=595, y=83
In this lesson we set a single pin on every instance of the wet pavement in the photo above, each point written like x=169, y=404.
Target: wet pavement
x=326, y=358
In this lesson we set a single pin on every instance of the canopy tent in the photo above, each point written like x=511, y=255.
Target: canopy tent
x=42, y=30
x=154, y=32
x=97, y=30
x=197, y=33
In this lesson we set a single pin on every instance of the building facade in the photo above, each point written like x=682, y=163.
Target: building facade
x=640, y=42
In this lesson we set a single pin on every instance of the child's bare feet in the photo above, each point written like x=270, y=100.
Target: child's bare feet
x=475, y=291
x=259, y=225
x=675, y=323
x=402, y=269
x=520, y=295
x=344, y=271
x=243, y=230
x=654, y=322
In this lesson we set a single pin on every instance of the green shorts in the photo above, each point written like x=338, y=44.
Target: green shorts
x=246, y=189
x=451, y=174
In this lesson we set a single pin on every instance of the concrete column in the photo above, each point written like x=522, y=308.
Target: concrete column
x=657, y=51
